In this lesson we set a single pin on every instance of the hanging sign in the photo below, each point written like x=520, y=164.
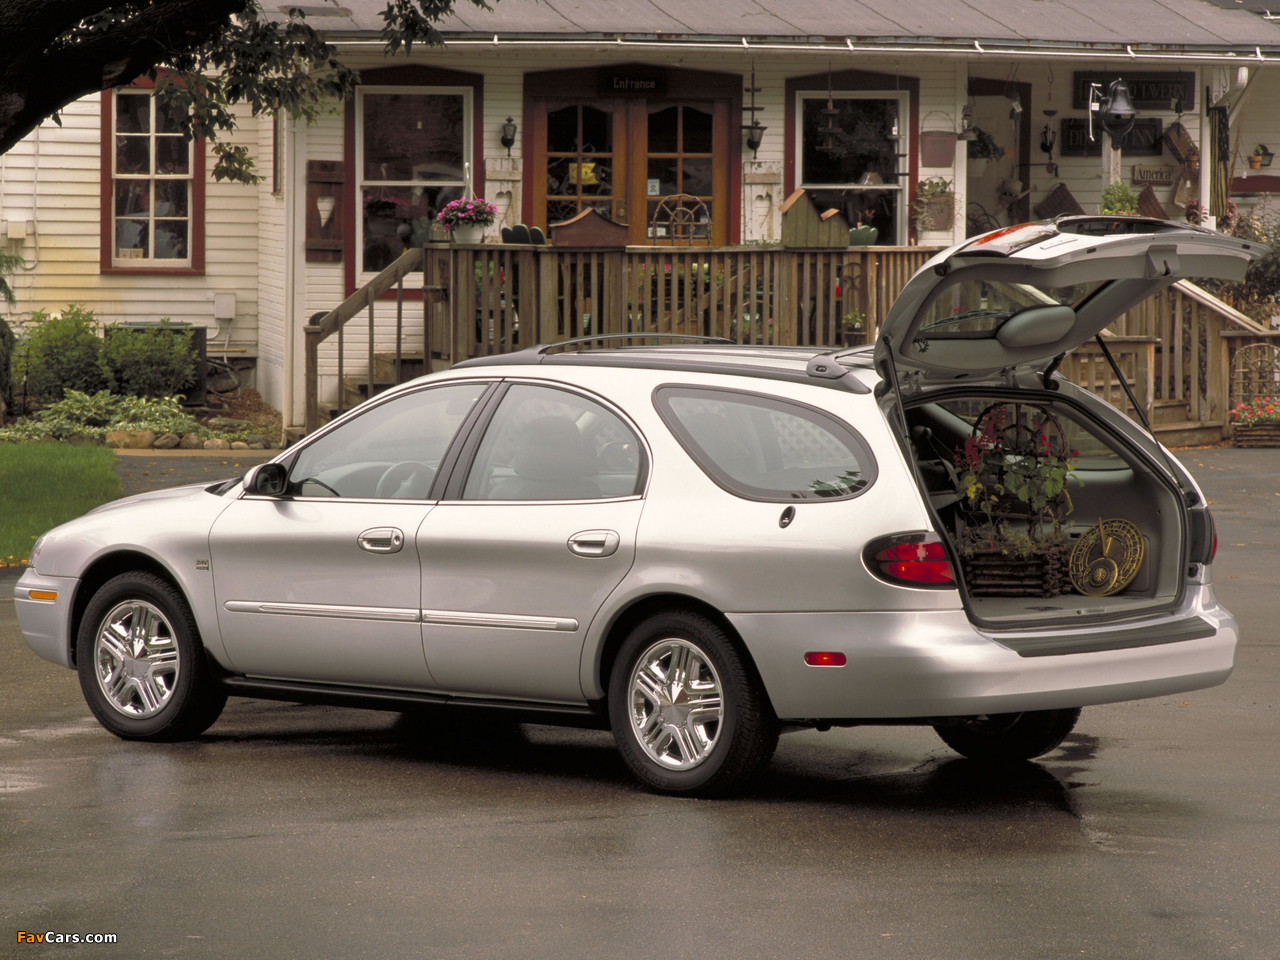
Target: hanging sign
x=1146, y=139
x=1149, y=90
x=1153, y=175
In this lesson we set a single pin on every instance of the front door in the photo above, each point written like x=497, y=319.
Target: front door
x=658, y=158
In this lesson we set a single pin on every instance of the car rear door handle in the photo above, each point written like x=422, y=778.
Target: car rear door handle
x=381, y=540
x=594, y=543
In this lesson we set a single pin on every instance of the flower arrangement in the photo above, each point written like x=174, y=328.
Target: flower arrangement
x=1258, y=410
x=467, y=212
x=1012, y=470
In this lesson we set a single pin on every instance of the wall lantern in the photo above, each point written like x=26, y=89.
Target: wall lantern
x=509, y=134
x=755, y=134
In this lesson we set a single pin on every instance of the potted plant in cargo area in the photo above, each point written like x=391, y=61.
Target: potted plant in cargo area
x=1012, y=475
x=1256, y=422
x=466, y=218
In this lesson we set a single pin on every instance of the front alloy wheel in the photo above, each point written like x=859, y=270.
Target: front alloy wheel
x=143, y=669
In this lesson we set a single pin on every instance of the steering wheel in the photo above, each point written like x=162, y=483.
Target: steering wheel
x=406, y=480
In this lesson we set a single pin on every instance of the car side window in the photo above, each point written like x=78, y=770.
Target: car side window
x=549, y=444
x=390, y=452
x=764, y=448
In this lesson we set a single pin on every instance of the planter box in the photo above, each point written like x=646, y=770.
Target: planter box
x=1256, y=435
x=994, y=574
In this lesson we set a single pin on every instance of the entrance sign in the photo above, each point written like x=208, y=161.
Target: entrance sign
x=1144, y=140
x=1149, y=90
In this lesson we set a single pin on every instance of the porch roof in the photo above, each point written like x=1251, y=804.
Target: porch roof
x=1195, y=25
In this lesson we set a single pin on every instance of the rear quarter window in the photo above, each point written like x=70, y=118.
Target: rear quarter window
x=763, y=448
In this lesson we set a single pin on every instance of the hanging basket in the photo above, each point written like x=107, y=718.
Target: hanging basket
x=937, y=148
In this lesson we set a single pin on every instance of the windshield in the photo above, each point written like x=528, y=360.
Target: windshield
x=976, y=308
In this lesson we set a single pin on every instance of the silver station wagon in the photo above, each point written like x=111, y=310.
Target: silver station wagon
x=696, y=544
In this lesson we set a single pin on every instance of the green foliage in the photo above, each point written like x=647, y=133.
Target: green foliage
x=983, y=146
x=9, y=262
x=82, y=416
x=6, y=369
x=154, y=362
x=46, y=484
x=64, y=353
x=1118, y=199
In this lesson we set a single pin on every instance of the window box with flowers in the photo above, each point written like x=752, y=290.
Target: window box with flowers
x=1012, y=475
x=1256, y=423
x=466, y=218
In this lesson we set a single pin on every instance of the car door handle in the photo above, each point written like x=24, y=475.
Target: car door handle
x=381, y=540
x=594, y=543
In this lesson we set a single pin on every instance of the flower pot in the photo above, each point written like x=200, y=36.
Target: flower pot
x=937, y=213
x=978, y=166
x=1256, y=434
x=467, y=233
x=1255, y=162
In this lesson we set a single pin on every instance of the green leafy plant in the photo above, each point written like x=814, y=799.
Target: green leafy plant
x=983, y=146
x=1118, y=200
x=83, y=416
x=9, y=262
x=1013, y=471
x=6, y=368
x=64, y=353
x=154, y=362
x=934, y=205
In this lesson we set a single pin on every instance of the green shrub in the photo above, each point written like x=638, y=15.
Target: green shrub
x=155, y=362
x=64, y=353
x=1117, y=198
x=6, y=369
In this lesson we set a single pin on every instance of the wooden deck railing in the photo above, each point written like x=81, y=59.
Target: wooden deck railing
x=480, y=299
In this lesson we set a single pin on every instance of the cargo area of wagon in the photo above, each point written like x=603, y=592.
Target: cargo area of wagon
x=1051, y=515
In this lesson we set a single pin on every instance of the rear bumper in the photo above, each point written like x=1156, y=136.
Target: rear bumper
x=46, y=623
x=936, y=663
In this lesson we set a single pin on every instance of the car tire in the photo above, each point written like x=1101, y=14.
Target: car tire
x=142, y=667
x=1009, y=737
x=687, y=711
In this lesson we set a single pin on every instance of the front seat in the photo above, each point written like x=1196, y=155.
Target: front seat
x=552, y=461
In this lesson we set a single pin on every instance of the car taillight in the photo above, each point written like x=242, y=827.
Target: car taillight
x=910, y=559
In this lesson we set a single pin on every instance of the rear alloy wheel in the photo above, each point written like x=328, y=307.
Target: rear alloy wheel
x=142, y=667
x=686, y=709
x=1009, y=737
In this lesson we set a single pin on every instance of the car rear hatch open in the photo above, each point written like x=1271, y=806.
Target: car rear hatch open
x=977, y=328
x=1015, y=299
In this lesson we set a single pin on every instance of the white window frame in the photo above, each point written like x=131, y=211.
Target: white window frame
x=904, y=147
x=152, y=177
x=468, y=125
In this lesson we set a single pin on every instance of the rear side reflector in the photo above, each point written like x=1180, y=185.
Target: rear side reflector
x=825, y=658
x=912, y=559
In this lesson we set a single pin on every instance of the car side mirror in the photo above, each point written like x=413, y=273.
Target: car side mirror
x=267, y=480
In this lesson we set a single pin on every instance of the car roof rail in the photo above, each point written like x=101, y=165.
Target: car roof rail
x=542, y=348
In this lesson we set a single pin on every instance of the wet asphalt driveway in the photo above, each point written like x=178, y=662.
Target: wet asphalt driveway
x=292, y=831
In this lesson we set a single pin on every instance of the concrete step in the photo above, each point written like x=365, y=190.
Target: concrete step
x=1170, y=411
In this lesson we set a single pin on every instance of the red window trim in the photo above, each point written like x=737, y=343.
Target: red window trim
x=107, y=193
x=853, y=80
x=404, y=76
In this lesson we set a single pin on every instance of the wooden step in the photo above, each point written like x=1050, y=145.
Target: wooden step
x=1186, y=434
x=411, y=367
x=1170, y=411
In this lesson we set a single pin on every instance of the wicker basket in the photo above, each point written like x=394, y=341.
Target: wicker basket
x=995, y=574
x=1256, y=434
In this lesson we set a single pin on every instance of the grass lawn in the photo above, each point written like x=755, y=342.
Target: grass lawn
x=45, y=484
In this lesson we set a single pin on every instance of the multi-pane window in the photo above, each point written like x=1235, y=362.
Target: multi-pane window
x=413, y=149
x=151, y=183
x=680, y=161
x=580, y=162
x=853, y=152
